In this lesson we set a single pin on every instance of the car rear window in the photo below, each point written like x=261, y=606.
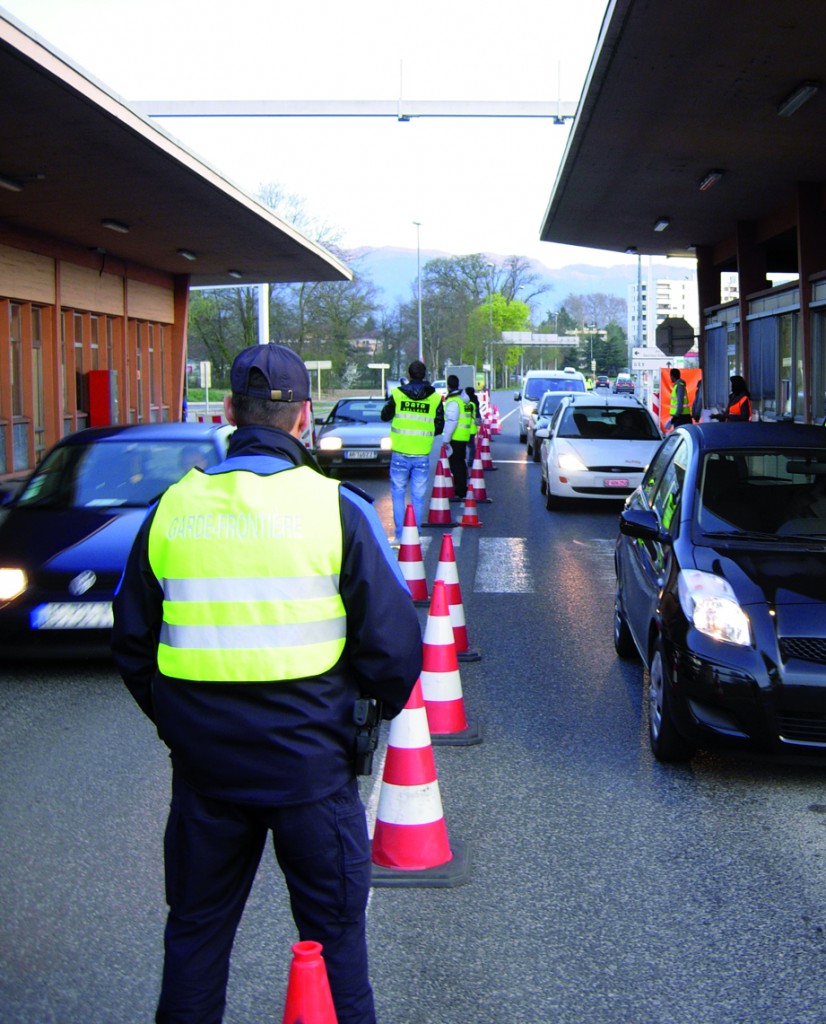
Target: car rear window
x=617, y=422
x=535, y=387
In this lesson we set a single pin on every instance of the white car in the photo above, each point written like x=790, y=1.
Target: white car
x=540, y=421
x=598, y=446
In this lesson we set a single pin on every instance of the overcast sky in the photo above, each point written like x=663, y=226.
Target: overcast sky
x=476, y=185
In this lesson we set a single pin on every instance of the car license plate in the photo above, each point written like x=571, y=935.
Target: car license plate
x=616, y=482
x=72, y=615
x=360, y=453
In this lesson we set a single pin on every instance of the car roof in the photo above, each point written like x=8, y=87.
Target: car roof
x=148, y=432
x=588, y=398
x=713, y=436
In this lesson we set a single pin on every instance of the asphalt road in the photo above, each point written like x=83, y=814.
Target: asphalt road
x=604, y=888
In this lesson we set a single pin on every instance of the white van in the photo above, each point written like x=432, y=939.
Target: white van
x=534, y=385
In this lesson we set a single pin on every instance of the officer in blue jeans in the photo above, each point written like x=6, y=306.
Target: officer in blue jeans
x=416, y=417
x=259, y=603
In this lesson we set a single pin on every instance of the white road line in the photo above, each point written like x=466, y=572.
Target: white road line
x=503, y=567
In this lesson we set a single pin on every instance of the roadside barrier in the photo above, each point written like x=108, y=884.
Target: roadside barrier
x=439, y=511
x=441, y=681
x=447, y=571
x=411, y=561
x=410, y=841
x=477, y=482
x=469, y=516
x=309, y=1000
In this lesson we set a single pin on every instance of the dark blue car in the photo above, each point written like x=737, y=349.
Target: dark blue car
x=721, y=588
x=66, y=533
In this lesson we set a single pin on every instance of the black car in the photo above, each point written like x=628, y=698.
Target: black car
x=66, y=534
x=721, y=588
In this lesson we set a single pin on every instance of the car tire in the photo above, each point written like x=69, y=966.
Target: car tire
x=623, y=640
x=523, y=438
x=552, y=503
x=543, y=485
x=536, y=451
x=667, y=744
x=530, y=448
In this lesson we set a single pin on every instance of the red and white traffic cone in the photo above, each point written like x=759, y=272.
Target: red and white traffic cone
x=447, y=473
x=477, y=481
x=439, y=511
x=410, y=841
x=469, y=516
x=411, y=561
x=496, y=427
x=447, y=571
x=309, y=1000
x=441, y=681
x=487, y=458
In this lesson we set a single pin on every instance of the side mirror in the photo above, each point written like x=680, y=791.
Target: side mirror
x=642, y=524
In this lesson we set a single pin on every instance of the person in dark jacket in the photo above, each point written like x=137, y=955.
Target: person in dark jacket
x=414, y=410
x=259, y=602
x=738, y=406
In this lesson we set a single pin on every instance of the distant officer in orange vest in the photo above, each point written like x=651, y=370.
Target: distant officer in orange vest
x=738, y=407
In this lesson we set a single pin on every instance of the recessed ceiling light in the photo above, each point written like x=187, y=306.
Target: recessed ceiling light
x=235, y=273
x=661, y=224
x=795, y=100
x=115, y=225
x=187, y=254
x=12, y=184
x=710, y=178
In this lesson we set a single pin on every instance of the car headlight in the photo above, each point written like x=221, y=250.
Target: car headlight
x=570, y=463
x=330, y=444
x=386, y=443
x=709, y=603
x=12, y=583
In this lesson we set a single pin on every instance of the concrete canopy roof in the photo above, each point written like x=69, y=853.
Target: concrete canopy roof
x=82, y=155
x=675, y=91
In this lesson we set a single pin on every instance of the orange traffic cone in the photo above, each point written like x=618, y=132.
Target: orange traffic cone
x=469, y=516
x=411, y=561
x=447, y=473
x=439, y=512
x=477, y=481
x=309, y=1000
x=448, y=573
x=496, y=425
x=410, y=843
x=441, y=682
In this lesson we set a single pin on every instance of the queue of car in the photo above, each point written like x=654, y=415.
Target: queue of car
x=353, y=436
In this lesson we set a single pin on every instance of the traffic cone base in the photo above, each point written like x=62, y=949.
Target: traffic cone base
x=455, y=872
x=309, y=1000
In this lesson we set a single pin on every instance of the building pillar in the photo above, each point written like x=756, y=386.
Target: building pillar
x=811, y=257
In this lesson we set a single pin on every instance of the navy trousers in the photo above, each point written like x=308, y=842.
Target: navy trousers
x=212, y=851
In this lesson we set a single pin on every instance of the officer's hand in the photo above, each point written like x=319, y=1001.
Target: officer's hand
x=448, y=450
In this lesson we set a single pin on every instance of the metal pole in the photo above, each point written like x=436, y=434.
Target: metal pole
x=419, y=287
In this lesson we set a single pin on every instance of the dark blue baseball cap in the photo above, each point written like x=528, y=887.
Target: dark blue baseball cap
x=288, y=379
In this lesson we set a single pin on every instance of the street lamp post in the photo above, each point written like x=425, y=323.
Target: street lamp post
x=419, y=287
x=490, y=327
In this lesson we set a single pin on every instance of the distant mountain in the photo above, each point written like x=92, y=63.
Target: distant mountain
x=393, y=272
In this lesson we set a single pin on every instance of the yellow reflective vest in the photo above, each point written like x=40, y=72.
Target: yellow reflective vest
x=463, y=425
x=412, y=428
x=249, y=567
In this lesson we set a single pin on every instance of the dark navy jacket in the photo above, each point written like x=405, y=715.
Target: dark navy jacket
x=278, y=742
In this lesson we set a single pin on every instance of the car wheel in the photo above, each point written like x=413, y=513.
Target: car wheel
x=530, y=448
x=536, y=451
x=623, y=641
x=552, y=503
x=666, y=742
x=543, y=485
x=523, y=438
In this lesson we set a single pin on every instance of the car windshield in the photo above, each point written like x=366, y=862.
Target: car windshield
x=550, y=403
x=535, y=387
x=609, y=421
x=780, y=493
x=113, y=473
x=355, y=412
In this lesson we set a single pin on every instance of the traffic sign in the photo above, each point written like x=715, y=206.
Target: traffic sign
x=675, y=336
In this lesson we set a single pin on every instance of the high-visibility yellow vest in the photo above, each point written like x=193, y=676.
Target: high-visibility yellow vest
x=412, y=427
x=679, y=397
x=249, y=567
x=462, y=431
